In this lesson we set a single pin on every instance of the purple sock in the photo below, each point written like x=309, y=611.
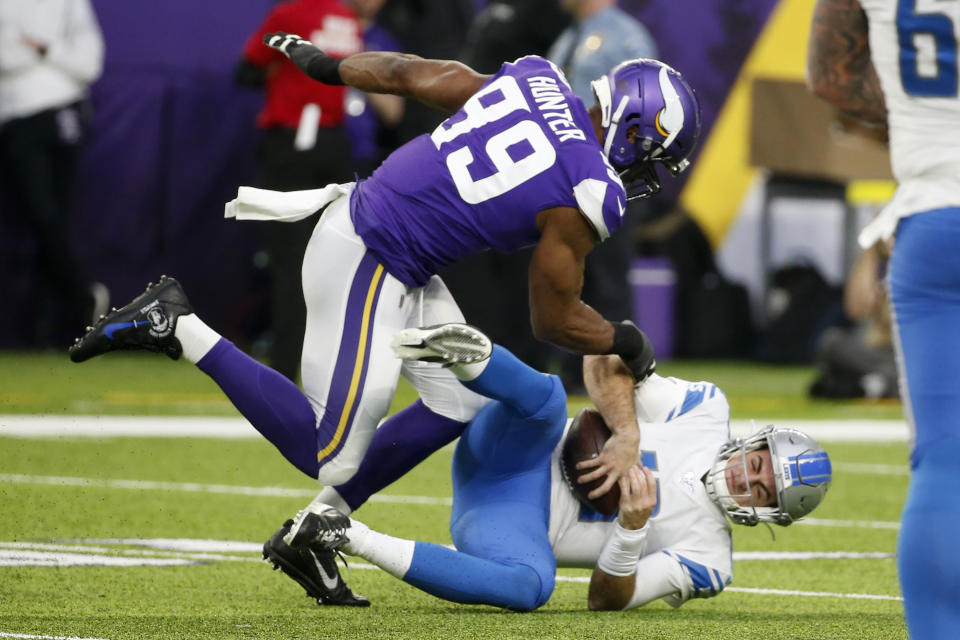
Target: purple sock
x=400, y=444
x=272, y=404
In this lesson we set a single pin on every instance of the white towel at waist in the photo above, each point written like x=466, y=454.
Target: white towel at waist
x=286, y=206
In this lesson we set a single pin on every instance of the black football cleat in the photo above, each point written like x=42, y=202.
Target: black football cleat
x=313, y=569
x=324, y=529
x=147, y=323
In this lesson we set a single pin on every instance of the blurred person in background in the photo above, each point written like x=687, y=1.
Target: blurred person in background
x=894, y=63
x=509, y=29
x=857, y=361
x=51, y=51
x=601, y=35
x=305, y=145
x=372, y=118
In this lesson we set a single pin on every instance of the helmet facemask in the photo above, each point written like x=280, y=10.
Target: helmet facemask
x=801, y=471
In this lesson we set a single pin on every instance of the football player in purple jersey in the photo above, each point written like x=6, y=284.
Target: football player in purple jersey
x=520, y=162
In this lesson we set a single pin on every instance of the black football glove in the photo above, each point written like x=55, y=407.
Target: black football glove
x=634, y=348
x=311, y=60
x=285, y=43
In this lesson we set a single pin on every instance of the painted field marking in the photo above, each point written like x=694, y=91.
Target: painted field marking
x=150, y=485
x=33, y=426
x=872, y=469
x=811, y=555
x=772, y=592
x=863, y=524
x=142, y=485
x=813, y=594
x=184, y=550
x=3, y=634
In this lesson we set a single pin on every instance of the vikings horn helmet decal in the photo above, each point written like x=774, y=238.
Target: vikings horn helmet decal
x=649, y=115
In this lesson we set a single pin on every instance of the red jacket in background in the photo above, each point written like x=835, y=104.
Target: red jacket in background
x=328, y=24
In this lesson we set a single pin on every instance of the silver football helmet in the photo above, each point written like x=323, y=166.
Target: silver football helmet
x=801, y=469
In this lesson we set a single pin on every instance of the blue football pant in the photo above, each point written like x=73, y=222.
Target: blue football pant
x=501, y=495
x=925, y=292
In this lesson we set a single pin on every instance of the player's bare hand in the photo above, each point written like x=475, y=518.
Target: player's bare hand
x=618, y=455
x=638, y=497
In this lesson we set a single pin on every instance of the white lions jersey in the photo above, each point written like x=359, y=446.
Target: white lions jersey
x=914, y=49
x=689, y=550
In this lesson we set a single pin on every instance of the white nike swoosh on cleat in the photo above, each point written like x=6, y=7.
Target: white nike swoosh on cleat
x=330, y=582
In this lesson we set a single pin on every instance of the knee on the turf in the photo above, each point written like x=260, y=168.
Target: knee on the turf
x=530, y=589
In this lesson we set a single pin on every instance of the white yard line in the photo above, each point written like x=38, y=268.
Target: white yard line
x=28, y=635
x=34, y=426
x=813, y=594
x=772, y=592
x=173, y=551
x=149, y=485
x=862, y=524
x=872, y=469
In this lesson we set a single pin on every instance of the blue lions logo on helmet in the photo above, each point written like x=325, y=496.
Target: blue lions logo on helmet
x=649, y=115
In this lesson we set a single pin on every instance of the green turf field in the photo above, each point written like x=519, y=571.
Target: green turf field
x=117, y=503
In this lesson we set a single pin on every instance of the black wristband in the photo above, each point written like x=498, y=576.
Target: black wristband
x=627, y=340
x=634, y=348
x=318, y=65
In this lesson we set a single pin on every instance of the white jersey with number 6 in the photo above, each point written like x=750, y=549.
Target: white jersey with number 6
x=913, y=44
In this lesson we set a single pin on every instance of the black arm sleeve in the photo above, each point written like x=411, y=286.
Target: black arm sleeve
x=634, y=348
x=318, y=65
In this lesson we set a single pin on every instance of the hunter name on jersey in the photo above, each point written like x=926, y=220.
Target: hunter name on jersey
x=546, y=93
x=522, y=144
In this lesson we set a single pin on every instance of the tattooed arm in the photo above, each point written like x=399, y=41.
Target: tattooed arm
x=839, y=69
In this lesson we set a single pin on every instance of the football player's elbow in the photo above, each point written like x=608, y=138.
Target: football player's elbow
x=603, y=602
x=547, y=328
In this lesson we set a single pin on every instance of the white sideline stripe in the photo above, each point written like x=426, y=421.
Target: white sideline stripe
x=832, y=430
x=872, y=469
x=45, y=426
x=811, y=555
x=17, y=478
x=16, y=558
x=140, y=485
x=195, y=547
x=863, y=524
x=28, y=635
x=227, y=545
x=772, y=592
x=813, y=594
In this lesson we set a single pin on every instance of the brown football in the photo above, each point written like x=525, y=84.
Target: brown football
x=585, y=440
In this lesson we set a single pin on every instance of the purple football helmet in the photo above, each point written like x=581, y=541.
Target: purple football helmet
x=654, y=97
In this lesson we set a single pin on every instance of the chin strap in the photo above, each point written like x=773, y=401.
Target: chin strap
x=773, y=535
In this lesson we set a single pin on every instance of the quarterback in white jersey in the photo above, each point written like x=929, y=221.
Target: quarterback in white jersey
x=895, y=62
x=515, y=520
x=688, y=550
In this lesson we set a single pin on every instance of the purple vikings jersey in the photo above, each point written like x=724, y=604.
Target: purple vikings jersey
x=521, y=144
